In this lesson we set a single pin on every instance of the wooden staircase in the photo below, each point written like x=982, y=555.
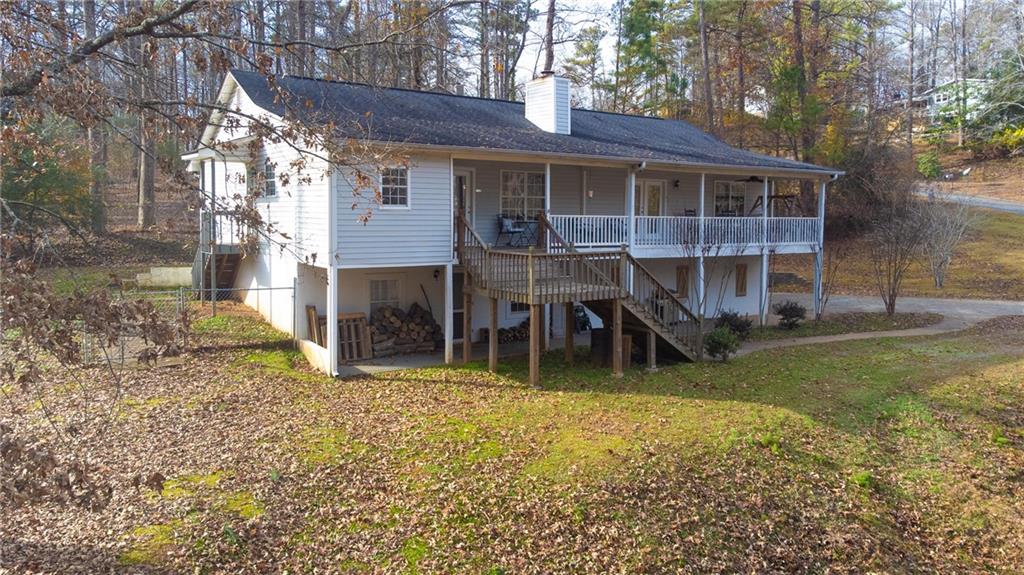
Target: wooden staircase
x=558, y=273
x=225, y=269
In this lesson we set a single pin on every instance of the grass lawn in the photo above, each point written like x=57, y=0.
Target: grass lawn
x=850, y=322
x=989, y=265
x=879, y=455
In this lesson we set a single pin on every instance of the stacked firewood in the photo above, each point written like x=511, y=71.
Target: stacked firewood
x=395, y=331
x=520, y=332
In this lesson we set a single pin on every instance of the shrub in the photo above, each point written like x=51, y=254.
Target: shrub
x=735, y=323
x=721, y=343
x=929, y=166
x=790, y=314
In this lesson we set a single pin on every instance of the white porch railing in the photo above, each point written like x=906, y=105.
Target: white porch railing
x=222, y=228
x=669, y=231
x=652, y=231
x=592, y=231
x=792, y=231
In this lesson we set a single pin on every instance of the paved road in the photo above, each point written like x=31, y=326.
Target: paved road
x=957, y=314
x=1001, y=205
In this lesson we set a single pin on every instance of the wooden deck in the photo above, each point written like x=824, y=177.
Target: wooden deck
x=556, y=273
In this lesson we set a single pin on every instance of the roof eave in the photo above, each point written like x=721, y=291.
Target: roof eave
x=693, y=166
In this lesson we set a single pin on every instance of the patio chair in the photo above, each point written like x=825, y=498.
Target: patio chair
x=510, y=229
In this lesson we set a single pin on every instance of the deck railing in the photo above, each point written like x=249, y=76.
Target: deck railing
x=220, y=228
x=588, y=232
x=792, y=231
x=592, y=231
x=537, y=275
x=666, y=306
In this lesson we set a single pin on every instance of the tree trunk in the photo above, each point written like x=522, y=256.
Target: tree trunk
x=963, y=74
x=741, y=79
x=147, y=147
x=549, y=40
x=801, y=64
x=97, y=141
x=911, y=83
x=485, y=56
x=709, y=102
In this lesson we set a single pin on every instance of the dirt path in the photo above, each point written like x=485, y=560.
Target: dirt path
x=957, y=314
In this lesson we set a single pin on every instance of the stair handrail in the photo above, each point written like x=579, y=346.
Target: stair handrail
x=470, y=246
x=693, y=337
x=693, y=340
x=545, y=226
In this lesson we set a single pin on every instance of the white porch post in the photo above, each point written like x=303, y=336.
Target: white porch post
x=333, y=305
x=819, y=252
x=764, y=255
x=630, y=207
x=547, y=243
x=700, y=248
x=449, y=315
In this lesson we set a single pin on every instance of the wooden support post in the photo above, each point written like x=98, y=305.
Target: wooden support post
x=652, y=350
x=467, y=323
x=543, y=329
x=617, y=337
x=535, y=341
x=570, y=332
x=492, y=338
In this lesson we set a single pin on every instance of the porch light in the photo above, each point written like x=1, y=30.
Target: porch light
x=590, y=193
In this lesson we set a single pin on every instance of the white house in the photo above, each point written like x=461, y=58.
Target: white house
x=648, y=222
x=941, y=101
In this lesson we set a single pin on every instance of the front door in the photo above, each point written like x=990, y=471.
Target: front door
x=650, y=197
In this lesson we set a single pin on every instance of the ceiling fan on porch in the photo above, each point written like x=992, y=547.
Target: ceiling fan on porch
x=752, y=179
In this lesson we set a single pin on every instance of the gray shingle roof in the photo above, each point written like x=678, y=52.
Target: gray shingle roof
x=430, y=118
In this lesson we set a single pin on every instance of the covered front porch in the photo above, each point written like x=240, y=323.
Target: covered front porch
x=655, y=213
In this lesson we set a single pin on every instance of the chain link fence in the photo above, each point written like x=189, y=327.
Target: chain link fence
x=179, y=308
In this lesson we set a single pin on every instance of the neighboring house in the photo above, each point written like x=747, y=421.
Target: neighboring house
x=942, y=99
x=649, y=222
x=939, y=104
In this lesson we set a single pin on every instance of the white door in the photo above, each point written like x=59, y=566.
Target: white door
x=650, y=201
x=650, y=197
x=463, y=193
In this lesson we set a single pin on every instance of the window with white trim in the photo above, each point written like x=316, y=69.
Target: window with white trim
x=269, y=180
x=518, y=308
x=522, y=195
x=394, y=187
x=730, y=198
x=385, y=292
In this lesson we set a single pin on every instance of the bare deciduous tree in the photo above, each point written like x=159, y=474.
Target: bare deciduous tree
x=945, y=223
x=835, y=255
x=894, y=242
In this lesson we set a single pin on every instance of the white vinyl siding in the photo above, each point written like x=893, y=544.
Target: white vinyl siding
x=420, y=234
